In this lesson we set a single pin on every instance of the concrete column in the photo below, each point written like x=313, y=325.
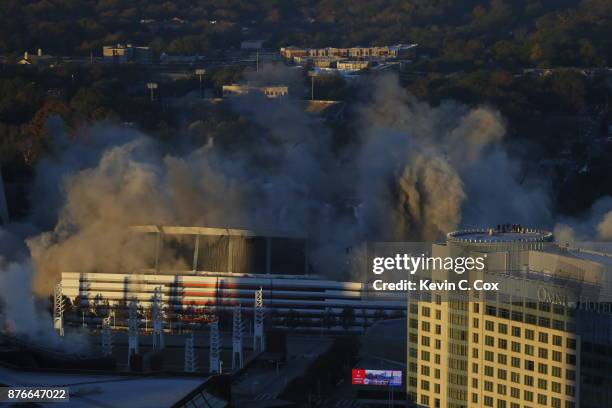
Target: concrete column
x=195, y=253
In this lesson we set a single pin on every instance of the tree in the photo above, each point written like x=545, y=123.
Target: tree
x=347, y=317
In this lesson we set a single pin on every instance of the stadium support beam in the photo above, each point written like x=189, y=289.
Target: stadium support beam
x=191, y=361
x=157, y=315
x=58, y=309
x=259, y=344
x=133, y=324
x=215, y=361
x=237, y=332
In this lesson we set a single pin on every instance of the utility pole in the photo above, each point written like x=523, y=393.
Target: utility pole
x=152, y=86
x=107, y=337
x=201, y=72
x=133, y=323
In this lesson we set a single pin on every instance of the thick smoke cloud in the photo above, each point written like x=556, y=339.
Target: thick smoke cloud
x=596, y=225
x=411, y=172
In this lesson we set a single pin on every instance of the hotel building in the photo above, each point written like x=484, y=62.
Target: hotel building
x=543, y=340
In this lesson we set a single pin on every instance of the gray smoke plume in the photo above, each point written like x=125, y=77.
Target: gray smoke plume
x=411, y=172
x=595, y=225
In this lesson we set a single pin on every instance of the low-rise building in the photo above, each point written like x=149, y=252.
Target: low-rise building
x=399, y=51
x=267, y=91
x=127, y=53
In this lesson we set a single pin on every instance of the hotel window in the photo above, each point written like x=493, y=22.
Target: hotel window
x=488, y=371
x=488, y=386
x=516, y=347
x=437, y=388
x=543, y=337
x=425, y=326
x=543, y=353
x=528, y=396
x=490, y=341
x=501, y=389
x=544, y=322
x=489, y=325
x=542, y=384
x=516, y=331
x=437, y=373
x=557, y=340
x=425, y=311
x=545, y=307
x=437, y=359
x=501, y=403
x=556, y=372
x=476, y=308
x=438, y=329
x=570, y=359
x=475, y=323
x=529, y=380
x=491, y=311
x=571, y=344
x=557, y=356
x=502, y=359
x=515, y=392
x=502, y=328
x=425, y=400
x=515, y=405
x=474, y=382
x=556, y=387
x=531, y=319
x=424, y=355
x=555, y=402
x=438, y=344
x=488, y=401
x=515, y=378
x=517, y=316
x=474, y=398
x=475, y=353
x=425, y=341
x=528, y=350
x=542, y=400
x=488, y=355
x=425, y=385
x=502, y=344
x=558, y=325
x=438, y=315
x=529, y=365
x=570, y=375
x=515, y=362
x=425, y=370
x=475, y=368
x=501, y=374
x=542, y=368
x=529, y=334
x=505, y=313
x=438, y=300
x=475, y=337
x=414, y=308
x=570, y=390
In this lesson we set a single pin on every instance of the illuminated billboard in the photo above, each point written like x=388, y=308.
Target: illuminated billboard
x=387, y=378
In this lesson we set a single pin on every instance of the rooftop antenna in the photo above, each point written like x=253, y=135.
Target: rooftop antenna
x=157, y=315
x=215, y=362
x=133, y=323
x=107, y=336
x=58, y=309
x=238, y=328
x=191, y=362
x=259, y=344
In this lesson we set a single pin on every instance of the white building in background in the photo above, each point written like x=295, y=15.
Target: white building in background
x=270, y=92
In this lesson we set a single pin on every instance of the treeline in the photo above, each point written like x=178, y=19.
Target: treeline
x=455, y=34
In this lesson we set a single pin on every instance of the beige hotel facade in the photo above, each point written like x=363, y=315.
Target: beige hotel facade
x=543, y=340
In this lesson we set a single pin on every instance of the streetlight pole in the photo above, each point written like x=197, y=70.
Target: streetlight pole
x=200, y=72
x=152, y=86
